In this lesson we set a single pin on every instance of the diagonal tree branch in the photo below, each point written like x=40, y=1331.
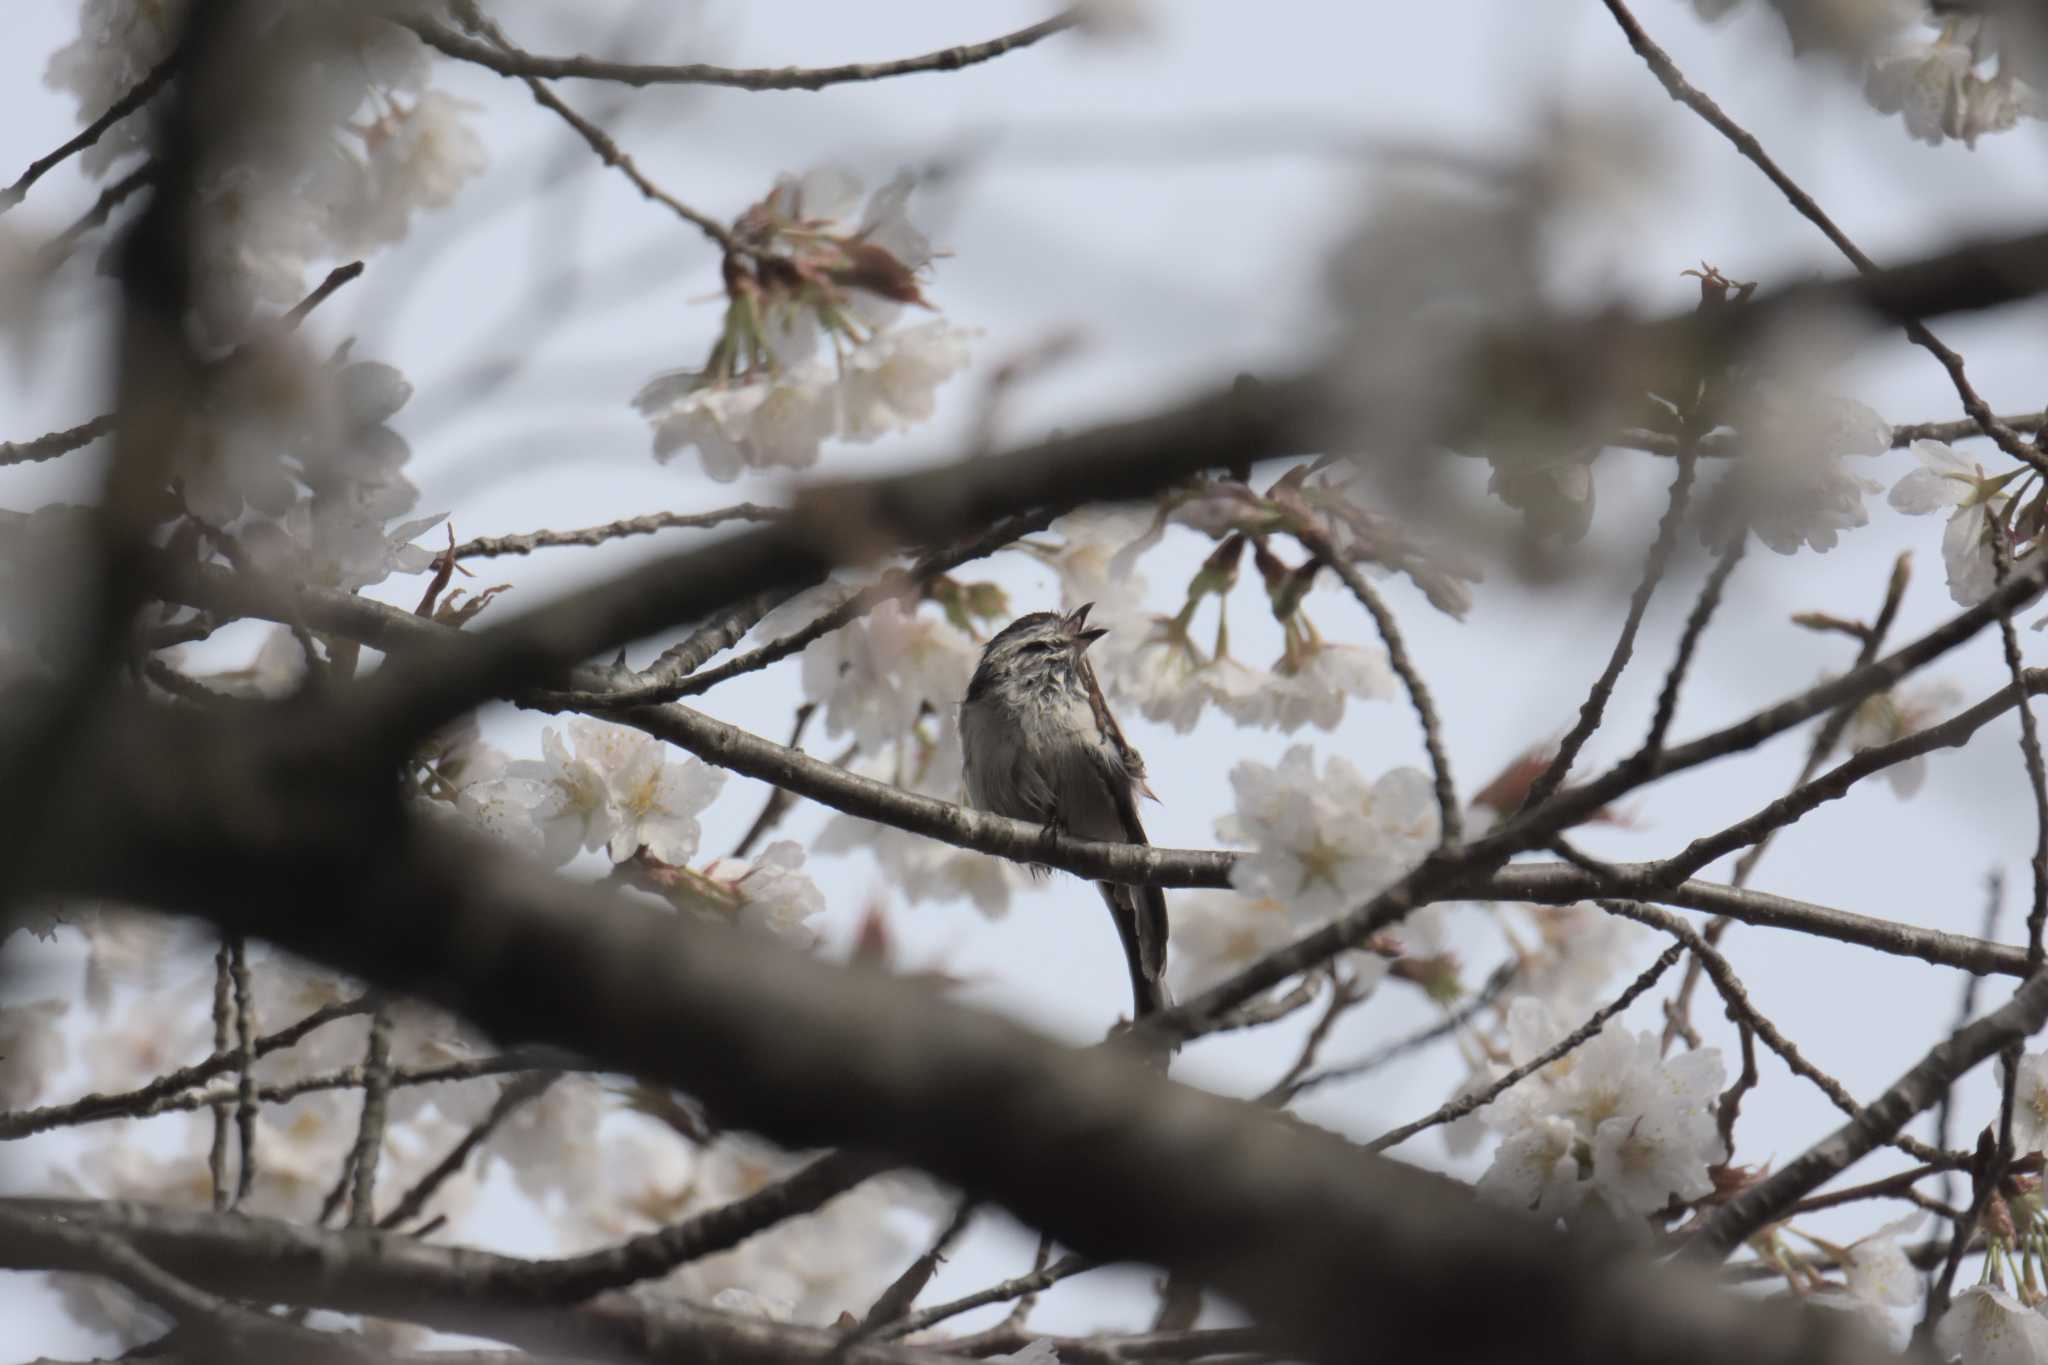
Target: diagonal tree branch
x=1920, y=1088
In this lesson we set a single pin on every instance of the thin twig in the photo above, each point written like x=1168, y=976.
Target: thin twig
x=111, y=198
x=1594, y=708
x=896, y=1300
x=507, y=60
x=57, y=442
x=600, y=142
x=668, y=683
x=1450, y=815
x=1966, y=1009
x=1496, y=985
x=1888, y=1187
x=370, y=1131
x=1688, y=643
x=223, y=1026
x=1343, y=995
x=245, y=1064
x=135, y=1103
x=486, y=547
x=516, y=1094
x=1458, y=1108
x=1919, y=1088
x=2030, y=750
x=1735, y=996
x=322, y=292
x=137, y=96
x=1038, y=1280
x=1870, y=640
x=1675, y=84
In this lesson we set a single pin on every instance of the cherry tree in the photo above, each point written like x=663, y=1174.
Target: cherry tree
x=405, y=950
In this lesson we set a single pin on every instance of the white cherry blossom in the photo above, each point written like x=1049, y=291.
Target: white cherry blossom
x=773, y=421
x=1538, y=1168
x=416, y=157
x=606, y=787
x=1946, y=480
x=890, y=382
x=1877, y=1269
x=1985, y=1325
x=1641, y=1126
x=1217, y=933
x=876, y=675
x=1577, y=951
x=1312, y=688
x=1937, y=89
x=1323, y=843
x=2030, y=1104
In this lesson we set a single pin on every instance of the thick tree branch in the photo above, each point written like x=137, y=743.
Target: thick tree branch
x=807, y=1053
x=1675, y=84
x=1920, y=1088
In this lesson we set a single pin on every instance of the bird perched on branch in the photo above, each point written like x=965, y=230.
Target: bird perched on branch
x=1040, y=744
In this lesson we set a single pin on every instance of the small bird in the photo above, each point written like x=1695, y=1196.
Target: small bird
x=1040, y=744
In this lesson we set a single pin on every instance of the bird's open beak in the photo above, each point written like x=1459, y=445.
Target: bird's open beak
x=1078, y=618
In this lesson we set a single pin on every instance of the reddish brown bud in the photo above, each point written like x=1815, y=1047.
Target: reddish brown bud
x=863, y=265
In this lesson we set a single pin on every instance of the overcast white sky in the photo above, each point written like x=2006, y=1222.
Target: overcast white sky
x=1174, y=200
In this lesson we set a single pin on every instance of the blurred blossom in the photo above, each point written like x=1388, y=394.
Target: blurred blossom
x=1217, y=934
x=341, y=157
x=1039, y=1352
x=1791, y=482
x=41, y=557
x=415, y=157
x=277, y=671
x=1937, y=85
x=1444, y=284
x=1579, y=948
x=1877, y=1269
x=551, y=1144
x=1853, y=29
x=32, y=1050
x=118, y=42
x=805, y=1269
x=1886, y=717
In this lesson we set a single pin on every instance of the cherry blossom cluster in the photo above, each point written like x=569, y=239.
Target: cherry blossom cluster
x=813, y=271
x=366, y=144
x=611, y=789
x=1947, y=71
x=1612, y=1121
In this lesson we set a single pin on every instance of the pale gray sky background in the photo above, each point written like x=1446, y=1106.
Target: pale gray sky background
x=1175, y=199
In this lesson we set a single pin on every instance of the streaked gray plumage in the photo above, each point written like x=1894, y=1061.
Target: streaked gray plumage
x=1040, y=744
